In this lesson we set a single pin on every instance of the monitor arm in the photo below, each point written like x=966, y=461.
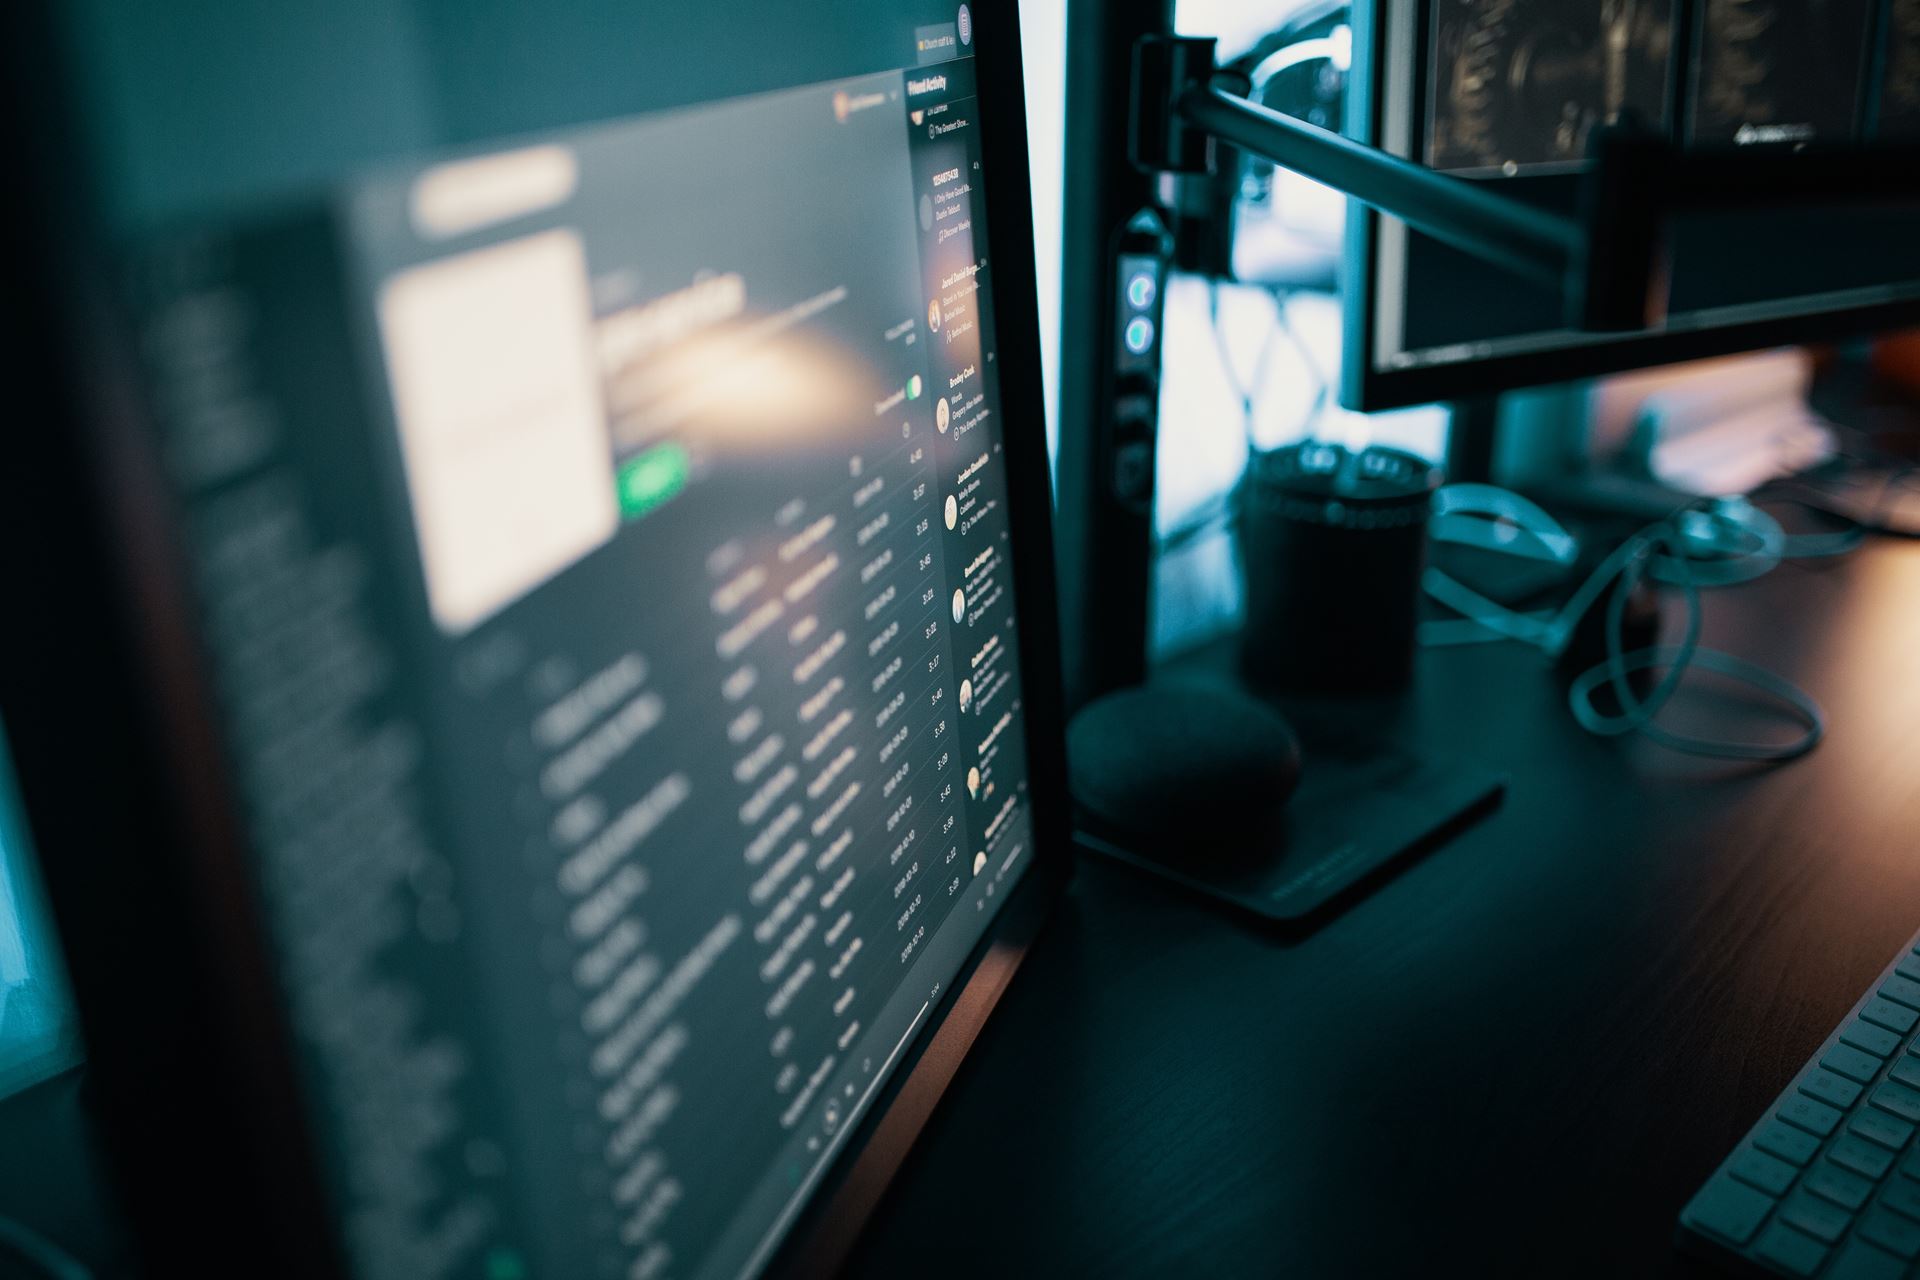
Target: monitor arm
x=1608, y=264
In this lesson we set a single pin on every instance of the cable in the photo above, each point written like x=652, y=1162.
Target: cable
x=1210, y=515
x=1218, y=510
x=1676, y=660
x=1283, y=320
x=1581, y=699
x=1245, y=394
x=1496, y=519
x=1701, y=545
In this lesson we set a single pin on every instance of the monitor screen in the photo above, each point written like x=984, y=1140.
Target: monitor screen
x=588, y=439
x=1507, y=93
x=1517, y=85
x=1897, y=111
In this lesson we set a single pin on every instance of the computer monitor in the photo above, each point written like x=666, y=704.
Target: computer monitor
x=1506, y=92
x=545, y=735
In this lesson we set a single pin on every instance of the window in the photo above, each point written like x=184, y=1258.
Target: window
x=1251, y=363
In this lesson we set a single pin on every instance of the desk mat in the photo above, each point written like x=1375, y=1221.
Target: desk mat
x=1360, y=810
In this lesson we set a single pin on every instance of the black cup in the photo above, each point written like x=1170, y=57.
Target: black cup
x=1332, y=547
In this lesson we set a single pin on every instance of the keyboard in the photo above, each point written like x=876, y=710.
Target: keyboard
x=1828, y=1182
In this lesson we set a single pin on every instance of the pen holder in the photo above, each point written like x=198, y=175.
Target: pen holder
x=1332, y=545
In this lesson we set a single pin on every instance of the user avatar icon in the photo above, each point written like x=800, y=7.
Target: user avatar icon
x=942, y=415
x=959, y=605
x=953, y=511
x=933, y=315
x=966, y=695
x=973, y=783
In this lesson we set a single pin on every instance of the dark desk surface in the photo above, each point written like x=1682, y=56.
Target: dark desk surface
x=1521, y=1055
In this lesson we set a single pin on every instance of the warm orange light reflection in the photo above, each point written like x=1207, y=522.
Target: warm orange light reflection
x=745, y=384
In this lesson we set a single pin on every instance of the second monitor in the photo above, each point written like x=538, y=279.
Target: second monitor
x=1509, y=92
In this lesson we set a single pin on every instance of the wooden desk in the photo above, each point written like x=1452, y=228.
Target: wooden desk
x=1520, y=1056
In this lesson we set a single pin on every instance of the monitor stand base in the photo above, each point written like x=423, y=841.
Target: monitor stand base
x=1362, y=809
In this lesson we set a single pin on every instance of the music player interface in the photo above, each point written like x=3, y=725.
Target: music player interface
x=705, y=692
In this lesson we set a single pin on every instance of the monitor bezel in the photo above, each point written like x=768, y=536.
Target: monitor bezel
x=154, y=880
x=1367, y=387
